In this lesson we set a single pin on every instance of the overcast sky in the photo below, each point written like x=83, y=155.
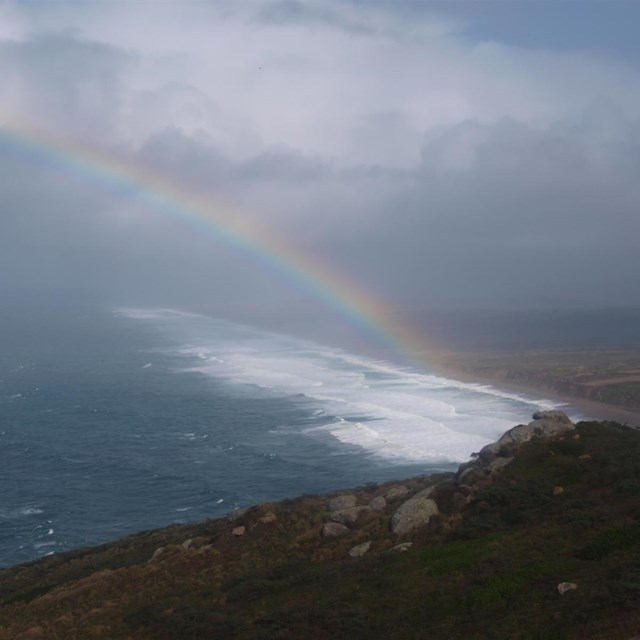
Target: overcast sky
x=440, y=154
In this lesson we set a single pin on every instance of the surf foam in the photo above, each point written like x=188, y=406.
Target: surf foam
x=401, y=414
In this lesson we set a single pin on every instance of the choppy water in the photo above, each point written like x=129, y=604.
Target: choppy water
x=113, y=421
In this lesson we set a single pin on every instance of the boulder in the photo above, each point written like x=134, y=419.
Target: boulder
x=349, y=515
x=334, y=530
x=412, y=514
x=553, y=414
x=397, y=492
x=156, y=553
x=268, y=518
x=238, y=531
x=471, y=475
x=563, y=587
x=546, y=424
x=489, y=452
x=343, y=502
x=401, y=548
x=378, y=504
x=360, y=549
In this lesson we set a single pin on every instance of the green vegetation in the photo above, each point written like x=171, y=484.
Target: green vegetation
x=565, y=510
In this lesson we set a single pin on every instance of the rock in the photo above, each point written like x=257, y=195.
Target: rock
x=397, y=492
x=548, y=423
x=553, y=414
x=349, y=515
x=343, y=502
x=334, y=530
x=558, y=491
x=378, y=504
x=563, y=587
x=156, y=553
x=238, y=531
x=360, y=549
x=268, y=518
x=498, y=463
x=470, y=476
x=401, y=548
x=412, y=514
x=489, y=452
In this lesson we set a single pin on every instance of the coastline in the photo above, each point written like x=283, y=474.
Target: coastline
x=586, y=409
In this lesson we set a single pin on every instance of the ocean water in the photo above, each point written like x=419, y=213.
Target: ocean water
x=118, y=420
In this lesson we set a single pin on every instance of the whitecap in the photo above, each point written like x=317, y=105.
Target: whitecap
x=389, y=410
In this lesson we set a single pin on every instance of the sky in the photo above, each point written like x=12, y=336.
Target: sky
x=438, y=154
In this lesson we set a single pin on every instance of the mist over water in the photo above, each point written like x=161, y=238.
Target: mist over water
x=113, y=421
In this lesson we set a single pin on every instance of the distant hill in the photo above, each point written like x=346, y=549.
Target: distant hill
x=534, y=538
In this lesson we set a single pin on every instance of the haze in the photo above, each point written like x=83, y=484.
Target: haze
x=440, y=154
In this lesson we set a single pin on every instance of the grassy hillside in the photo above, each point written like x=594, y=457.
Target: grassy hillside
x=488, y=566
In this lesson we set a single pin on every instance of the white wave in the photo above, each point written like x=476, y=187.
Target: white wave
x=13, y=514
x=391, y=411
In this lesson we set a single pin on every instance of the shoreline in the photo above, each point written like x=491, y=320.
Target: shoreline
x=587, y=409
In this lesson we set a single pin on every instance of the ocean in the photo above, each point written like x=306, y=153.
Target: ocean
x=114, y=421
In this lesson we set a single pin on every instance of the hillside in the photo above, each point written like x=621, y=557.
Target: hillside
x=607, y=376
x=478, y=554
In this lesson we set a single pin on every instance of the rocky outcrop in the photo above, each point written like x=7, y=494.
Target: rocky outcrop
x=360, y=549
x=378, y=504
x=349, y=515
x=414, y=513
x=334, y=530
x=454, y=494
x=545, y=424
x=343, y=502
x=477, y=474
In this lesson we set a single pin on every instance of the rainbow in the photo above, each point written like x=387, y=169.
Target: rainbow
x=163, y=193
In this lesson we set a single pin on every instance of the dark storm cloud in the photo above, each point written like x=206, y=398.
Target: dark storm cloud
x=519, y=212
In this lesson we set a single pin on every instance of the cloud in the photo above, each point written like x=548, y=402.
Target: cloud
x=62, y=79
x=392, y=140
